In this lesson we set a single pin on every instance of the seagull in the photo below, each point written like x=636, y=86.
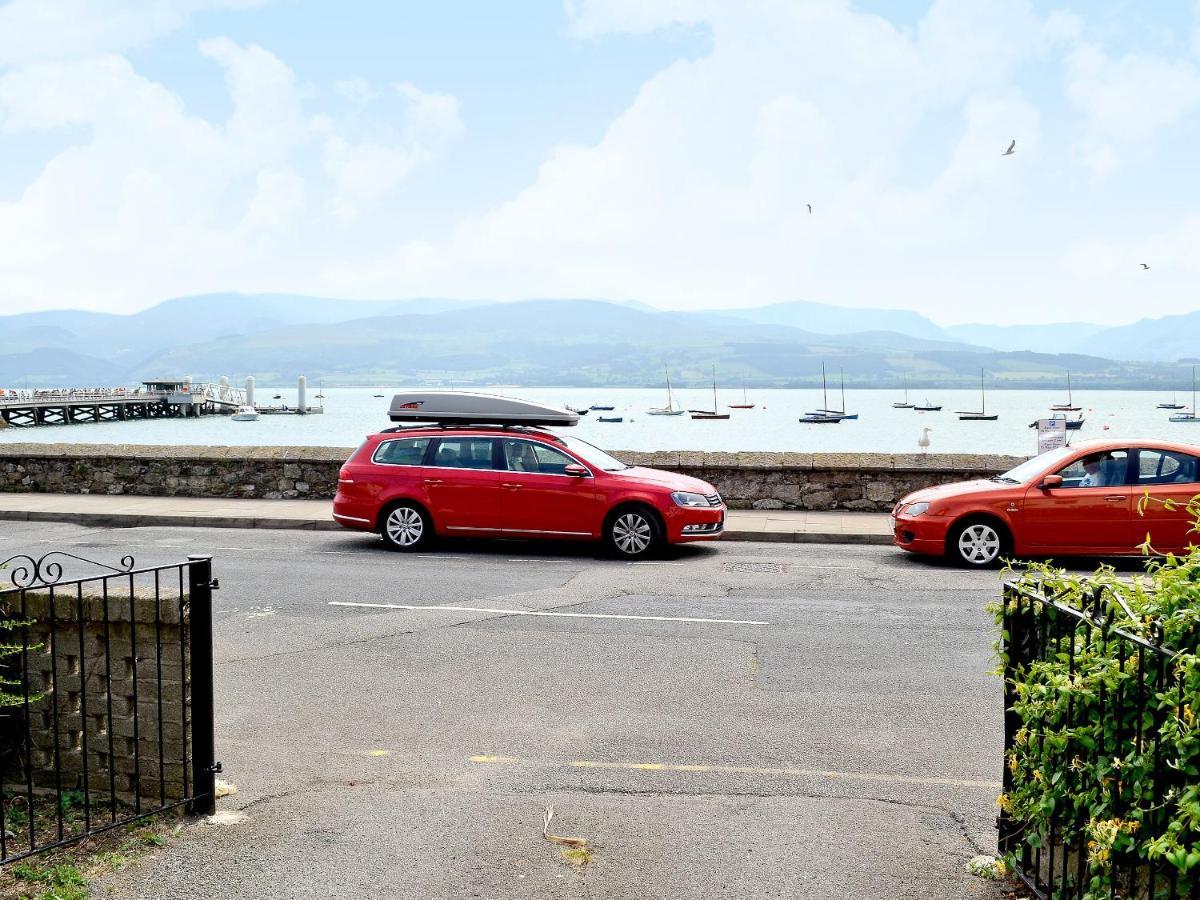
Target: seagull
x=809, y=205
x=1144, y=265
x=923, y=440
x=1011, y=148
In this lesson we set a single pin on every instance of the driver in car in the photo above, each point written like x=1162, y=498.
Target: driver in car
x=1093, y=466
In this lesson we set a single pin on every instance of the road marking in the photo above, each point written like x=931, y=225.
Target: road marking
x=380, y=752
x=754, y=770
x=808, y=773
x=556, y=615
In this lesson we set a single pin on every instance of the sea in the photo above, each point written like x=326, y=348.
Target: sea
x=772, y=426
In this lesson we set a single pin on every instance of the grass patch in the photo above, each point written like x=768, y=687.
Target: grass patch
x=577, y=856
x=66, y=873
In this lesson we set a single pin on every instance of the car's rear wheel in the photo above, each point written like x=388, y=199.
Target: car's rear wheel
x=406, y=527
x=978, y=543
x=633, y=533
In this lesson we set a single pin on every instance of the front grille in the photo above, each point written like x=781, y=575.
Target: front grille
x=713, y=499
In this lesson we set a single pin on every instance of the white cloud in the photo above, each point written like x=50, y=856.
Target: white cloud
x=154, y=201
x=44, y=30
x=1127, y=100
x=697, y=194
x=365, y=170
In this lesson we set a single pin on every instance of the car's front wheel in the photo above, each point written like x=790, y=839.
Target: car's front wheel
x=978, y=543
x=406, y=527
x=633, y=533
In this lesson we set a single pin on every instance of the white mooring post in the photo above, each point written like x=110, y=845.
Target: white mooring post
x=249, y=390
x=301, y=401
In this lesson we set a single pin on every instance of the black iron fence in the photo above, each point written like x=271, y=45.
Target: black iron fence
x=1086, y=703
x=106, y=696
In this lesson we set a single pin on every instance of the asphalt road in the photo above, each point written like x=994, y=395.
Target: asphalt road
x=836, y=734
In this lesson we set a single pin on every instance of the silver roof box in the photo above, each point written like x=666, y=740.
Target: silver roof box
x=467, y=408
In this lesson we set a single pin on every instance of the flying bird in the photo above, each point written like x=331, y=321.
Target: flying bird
x=1144, y=265
x=809, y=205
x=1012, y=148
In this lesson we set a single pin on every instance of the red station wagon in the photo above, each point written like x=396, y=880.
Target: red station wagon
x=1075, y=501
x=492, y=480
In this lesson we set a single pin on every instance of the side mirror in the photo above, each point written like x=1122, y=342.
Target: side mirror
x=581, y=471
x=1051, y=481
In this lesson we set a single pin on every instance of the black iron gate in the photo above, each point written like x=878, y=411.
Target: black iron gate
x=106, y=696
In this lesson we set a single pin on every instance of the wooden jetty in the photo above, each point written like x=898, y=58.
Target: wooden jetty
x=153, y=400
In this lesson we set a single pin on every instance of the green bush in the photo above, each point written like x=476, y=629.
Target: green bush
x=1077, y=758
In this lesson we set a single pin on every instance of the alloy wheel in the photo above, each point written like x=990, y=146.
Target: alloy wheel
x=405, y=526
x=632, y=534
x=979, y=544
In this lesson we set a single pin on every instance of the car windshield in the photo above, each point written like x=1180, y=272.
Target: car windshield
x=1030, y=469
x=593, y=455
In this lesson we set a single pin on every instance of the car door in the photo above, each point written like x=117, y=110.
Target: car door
x=462, y=483
x=538, y=497
x=1088, y=513
x=398, y=470
x=1160, y=476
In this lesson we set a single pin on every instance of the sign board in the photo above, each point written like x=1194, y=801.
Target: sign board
x=1052, y=434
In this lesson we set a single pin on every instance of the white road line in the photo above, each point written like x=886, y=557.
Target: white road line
x=556, y=615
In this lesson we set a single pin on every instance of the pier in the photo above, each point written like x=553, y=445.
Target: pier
x=153, y=400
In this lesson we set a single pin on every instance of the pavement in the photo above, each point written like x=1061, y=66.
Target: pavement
x=734, y=720
x=317, y=515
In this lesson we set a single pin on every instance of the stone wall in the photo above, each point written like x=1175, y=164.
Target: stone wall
x=816, y=481
x=123, y=754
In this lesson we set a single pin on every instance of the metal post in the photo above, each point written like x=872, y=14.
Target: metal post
x=204, y=765
x=1015, y=625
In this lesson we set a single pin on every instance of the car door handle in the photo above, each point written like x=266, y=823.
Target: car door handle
x=433, y=481
x=511, y=486
x=1113, y=499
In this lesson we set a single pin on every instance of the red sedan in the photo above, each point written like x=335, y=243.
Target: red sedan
x=1075, y=501
x=410, y=484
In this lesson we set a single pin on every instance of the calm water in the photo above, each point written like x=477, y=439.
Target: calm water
x=351, y=413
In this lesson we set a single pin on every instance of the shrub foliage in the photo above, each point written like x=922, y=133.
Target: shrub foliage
x=1105, y=761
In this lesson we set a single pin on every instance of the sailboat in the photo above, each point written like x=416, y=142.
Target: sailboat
x=840, y=413
x=705, y=414
x=905, y=404
x=745, y=404
x=821, y=418
x=1069, y=405
x=669, y=409
x=927, y=407
x=1190, y=415
x=982, y=415
x=1172, y=405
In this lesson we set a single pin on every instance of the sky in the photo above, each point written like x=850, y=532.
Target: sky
x=665, y=151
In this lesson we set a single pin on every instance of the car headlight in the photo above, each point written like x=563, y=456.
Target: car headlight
x=916, y=509
x=687, y=498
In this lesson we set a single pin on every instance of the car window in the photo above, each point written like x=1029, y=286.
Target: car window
x=1103, y=469
x=1166, y=467
x=463, y=453
x=527, y=456
x=406, y=452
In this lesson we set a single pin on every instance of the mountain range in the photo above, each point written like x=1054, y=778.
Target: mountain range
x=573, y=341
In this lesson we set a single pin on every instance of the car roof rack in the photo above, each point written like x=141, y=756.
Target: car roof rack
x=446, y=426
x=466, y=409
